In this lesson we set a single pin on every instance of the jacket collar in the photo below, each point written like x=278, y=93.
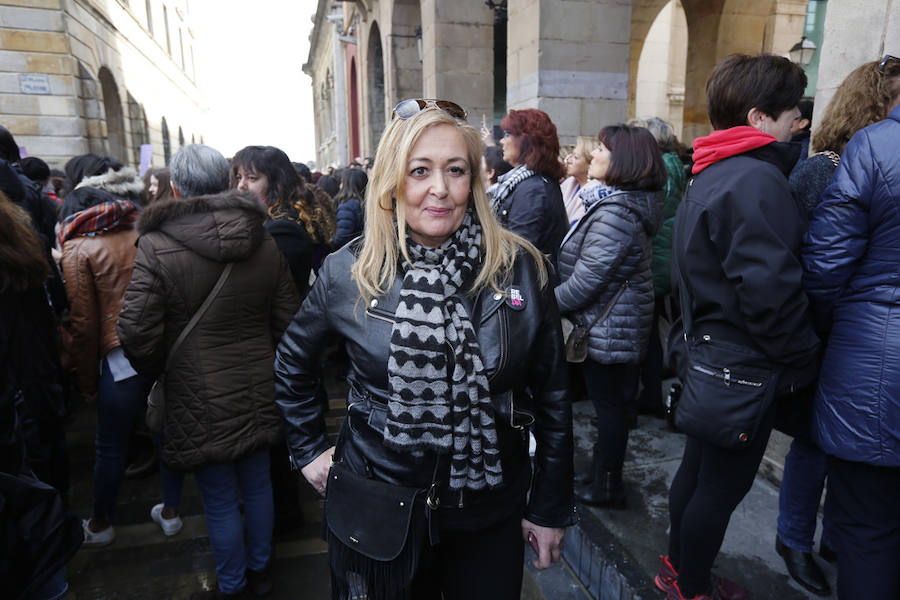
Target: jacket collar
x=156, y=214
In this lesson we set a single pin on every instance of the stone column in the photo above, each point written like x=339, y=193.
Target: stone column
x=458, y=54
x=856, y=31
x=569, y=58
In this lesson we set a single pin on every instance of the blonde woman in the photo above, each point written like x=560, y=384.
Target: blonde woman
x=447, y=320
x=577, y=163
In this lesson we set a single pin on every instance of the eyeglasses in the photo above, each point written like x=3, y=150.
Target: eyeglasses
x=413, y=106
x=884, y=61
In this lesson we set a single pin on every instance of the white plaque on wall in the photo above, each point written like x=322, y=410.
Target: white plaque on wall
x=34, y=83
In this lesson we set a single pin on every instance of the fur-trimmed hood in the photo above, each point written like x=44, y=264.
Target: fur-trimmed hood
x=123, y=183
x=223, y=227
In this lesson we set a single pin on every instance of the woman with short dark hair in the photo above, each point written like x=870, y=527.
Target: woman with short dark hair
x=736, y=267
x=528, y=200
x=606, y=288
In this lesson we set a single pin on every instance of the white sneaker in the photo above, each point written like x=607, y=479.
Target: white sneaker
x=96, y=539
x=169, y=526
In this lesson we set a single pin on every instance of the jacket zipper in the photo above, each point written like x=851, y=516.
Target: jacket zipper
x=375, y=315
x=725, y=375
x=501, y=362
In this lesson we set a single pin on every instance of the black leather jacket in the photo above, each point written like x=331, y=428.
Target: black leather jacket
x=523, y=356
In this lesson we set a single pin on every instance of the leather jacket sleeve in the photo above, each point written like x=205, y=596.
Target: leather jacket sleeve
x=297, y=375
x=141, y=325
x=85, y=318
x=551, y=502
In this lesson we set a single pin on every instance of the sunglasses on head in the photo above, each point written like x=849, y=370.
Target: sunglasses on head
x=413, y=106
x=884, y=61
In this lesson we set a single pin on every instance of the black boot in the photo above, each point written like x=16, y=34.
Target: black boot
x=587, y=477
x=606, y=491
x=803, y=568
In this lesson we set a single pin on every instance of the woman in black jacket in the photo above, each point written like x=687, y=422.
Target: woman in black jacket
x=302, y=227
x=736, y=265
x=527, y=200
x=350, y=206
x=455, y=352
x=607, y=289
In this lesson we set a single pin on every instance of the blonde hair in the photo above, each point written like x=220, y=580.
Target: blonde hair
x=862, y=98
x=588, y=144
x=384, y=239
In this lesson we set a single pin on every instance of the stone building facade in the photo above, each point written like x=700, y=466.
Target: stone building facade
x=103, y=76
x=587, y=63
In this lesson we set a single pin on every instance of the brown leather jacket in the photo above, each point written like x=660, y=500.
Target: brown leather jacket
x=97, y=271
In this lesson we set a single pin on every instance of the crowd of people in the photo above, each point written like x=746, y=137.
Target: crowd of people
x=475, y=286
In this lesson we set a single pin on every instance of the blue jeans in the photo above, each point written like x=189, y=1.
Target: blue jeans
x=805, y=467
x=172, y=481
x=119, y=405
x=220, y=486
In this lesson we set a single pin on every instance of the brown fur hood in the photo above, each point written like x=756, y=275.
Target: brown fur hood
x=223, y=227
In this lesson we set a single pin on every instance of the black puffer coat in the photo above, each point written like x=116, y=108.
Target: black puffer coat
x=608, y=252
x=219, y=391
x=522, y=349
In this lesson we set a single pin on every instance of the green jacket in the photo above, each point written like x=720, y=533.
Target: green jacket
x=662, y=242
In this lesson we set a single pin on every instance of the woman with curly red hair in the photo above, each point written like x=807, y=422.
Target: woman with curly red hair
x=528, y=200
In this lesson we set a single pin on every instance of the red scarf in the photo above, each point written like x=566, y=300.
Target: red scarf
x=724, y=143
x=101, y=218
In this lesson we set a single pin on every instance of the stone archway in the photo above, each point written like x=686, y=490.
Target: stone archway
x=91, y=113
x=140, y=131
x=659, y=82
x=115, y=119
x=375, y=87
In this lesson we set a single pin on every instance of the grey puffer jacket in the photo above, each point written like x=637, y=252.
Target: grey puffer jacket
x=605, y=258
x=220, y=389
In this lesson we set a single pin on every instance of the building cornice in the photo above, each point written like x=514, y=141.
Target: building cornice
x=318, y=23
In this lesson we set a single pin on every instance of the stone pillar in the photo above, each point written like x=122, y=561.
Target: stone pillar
x=458, y=54
x=844, y=47
x=569, y=58
x=785, y=25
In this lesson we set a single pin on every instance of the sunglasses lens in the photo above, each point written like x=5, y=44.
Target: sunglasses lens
x=407, y=108
x=451, y=108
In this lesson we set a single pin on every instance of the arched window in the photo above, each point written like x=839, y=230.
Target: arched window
x=115, y=118
x=180, y=137
x=167, y=144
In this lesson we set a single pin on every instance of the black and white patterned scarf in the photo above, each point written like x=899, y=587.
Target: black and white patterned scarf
x=440, y=398
x=506, y=183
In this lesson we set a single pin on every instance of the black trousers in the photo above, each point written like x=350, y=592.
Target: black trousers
x=864, y=510
x=612, y=390
x=708, y=486
x=485, y=564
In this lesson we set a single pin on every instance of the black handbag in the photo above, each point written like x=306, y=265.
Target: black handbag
x=727, y=387
x=376, y=531
x=576, y=337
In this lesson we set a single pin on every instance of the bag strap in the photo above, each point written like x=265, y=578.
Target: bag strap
x=197, y=315
x=606, y=311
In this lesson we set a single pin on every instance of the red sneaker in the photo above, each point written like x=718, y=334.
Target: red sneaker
x=675, y=594
x=667, y=577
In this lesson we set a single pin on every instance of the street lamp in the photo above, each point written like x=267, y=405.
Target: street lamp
x=802, y=52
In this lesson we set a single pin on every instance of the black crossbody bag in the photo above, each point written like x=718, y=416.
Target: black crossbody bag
x=727, y=387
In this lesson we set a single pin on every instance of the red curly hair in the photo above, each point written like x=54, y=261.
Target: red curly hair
x=538, y=141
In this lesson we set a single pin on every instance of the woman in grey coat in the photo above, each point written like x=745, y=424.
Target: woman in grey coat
x=607, y=287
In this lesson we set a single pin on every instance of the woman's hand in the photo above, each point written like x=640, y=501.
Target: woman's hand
x=316, y=472
x=549, y=542
x=487, y=136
